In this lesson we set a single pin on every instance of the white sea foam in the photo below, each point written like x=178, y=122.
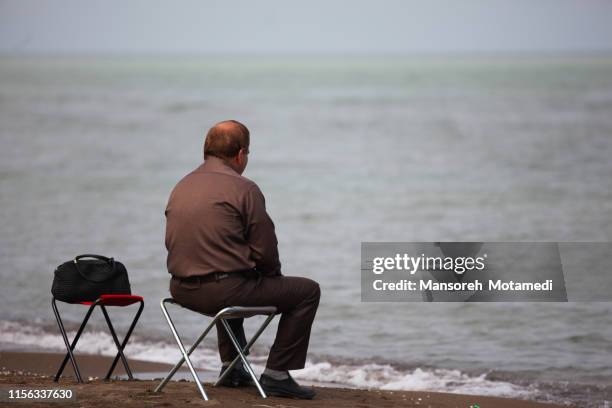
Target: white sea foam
x=386, y=377
x=370, y=376
x=101, y=343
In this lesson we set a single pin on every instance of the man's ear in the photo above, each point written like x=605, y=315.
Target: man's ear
x=241, y=154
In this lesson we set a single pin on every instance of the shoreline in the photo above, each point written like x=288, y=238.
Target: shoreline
x=34, y=370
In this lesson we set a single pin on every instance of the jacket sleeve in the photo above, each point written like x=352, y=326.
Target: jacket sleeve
x=259, y=233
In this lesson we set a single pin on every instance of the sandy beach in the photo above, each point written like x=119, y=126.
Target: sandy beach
x=29, y=370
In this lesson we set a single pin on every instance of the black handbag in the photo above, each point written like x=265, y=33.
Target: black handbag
x=87, y=276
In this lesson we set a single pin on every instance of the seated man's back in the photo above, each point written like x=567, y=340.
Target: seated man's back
x=217, y=222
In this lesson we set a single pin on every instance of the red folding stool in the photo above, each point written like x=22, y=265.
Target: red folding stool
x=102, y=301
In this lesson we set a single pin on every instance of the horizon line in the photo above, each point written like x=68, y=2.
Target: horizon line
x=344, y=54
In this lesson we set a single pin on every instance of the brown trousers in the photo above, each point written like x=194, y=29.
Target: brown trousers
x=295, y=298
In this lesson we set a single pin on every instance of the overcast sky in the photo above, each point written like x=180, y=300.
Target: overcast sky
x=312, y=26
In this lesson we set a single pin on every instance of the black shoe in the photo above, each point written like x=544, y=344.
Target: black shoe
x=285, y=388
x=239, y=377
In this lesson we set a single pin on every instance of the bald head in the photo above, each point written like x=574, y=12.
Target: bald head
x=226, y=139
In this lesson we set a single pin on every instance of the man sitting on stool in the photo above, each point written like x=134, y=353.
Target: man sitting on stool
x=222, y=251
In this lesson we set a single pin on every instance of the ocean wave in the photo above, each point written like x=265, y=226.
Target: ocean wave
x=386, y=377
x=17, y=334
x=355, y=375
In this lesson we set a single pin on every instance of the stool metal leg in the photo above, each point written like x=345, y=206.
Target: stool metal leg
x=241, y=355
x=246, y=350
x=183, y=352
x=70, y=347
x=182, y=360
x=125, y=341
x=117, y=344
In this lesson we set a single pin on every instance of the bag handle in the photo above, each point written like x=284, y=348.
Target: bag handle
x=110, y=261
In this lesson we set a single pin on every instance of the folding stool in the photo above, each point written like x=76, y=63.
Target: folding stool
x=227, y=313
x=102, y=301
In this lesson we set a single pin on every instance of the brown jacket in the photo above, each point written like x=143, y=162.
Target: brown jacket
x=216, y=221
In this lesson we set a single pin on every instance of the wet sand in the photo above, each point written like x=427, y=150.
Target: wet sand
x=24, y=370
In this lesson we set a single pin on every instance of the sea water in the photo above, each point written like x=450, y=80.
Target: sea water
x=345, y=149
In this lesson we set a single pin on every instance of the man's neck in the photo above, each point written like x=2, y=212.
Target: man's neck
x=219, y=161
